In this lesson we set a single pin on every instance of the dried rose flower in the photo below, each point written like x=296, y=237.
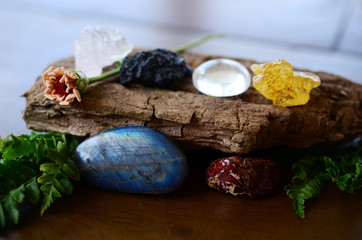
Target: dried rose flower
x=64, y=86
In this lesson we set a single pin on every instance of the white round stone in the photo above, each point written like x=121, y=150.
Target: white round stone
x=221, y=78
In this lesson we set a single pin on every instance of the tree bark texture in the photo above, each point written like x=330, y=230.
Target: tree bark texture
x=239, y=124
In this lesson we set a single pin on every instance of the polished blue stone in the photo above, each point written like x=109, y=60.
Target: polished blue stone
x=132, y=159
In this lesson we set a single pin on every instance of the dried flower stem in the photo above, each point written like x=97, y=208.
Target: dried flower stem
x=104, y=76
x=197, y=42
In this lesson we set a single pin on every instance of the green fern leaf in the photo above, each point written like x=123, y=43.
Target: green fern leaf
x=70, y=170
x=309, y=189
x=6, y=185
x=46, y=187
x=306, y=183
x=10, y=173
x=67, y=185
x=51, y=168
x=63, y=149
x=18, y=194
x=56, y=156
x=16, y=147
x=332, y=169
x=52, y=143
x=11, y=203
x=31, y=164
x=41, y=150
x=343, y=166
x=32, y=191
x=30, y=137
x=55, y=176
x=2, y=217
x=1, y=149
x=59, y=186
x=49, y=197
x=73, y=144
x=46, y=178
x=346, y=174
x=298, y=205
x=26, y=171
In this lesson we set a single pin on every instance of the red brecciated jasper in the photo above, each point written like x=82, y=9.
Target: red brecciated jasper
x=248, y=177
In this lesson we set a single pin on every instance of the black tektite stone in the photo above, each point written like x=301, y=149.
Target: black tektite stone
x=156, y=68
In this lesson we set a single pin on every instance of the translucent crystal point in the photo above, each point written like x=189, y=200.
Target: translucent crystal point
x=98, y=47
x=221, y=78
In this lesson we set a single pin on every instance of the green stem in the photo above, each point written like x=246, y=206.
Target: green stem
x=104, y=76
x=197, y=42
x=179, y=49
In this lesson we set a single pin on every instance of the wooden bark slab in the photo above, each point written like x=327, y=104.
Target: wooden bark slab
x=240, y=124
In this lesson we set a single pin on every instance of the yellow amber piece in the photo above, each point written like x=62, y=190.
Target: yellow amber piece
x=277, y=82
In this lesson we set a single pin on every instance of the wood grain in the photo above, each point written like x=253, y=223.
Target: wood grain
x=195, y=211
x=240, y=124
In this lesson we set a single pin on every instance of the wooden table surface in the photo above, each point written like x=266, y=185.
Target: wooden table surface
x=194, y=211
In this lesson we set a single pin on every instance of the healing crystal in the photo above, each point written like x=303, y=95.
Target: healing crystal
x=244, y=176
x=278, y=82
x=221, y=78
x=156, y=68
x=133, y=159
x=98, y=47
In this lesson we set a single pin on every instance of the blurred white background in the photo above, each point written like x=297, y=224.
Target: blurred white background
x=318, y=35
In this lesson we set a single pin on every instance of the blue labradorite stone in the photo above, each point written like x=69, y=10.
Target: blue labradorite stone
x=132, y=159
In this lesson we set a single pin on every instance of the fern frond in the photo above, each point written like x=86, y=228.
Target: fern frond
x=2, y=217
x=34, y=167
x=11, y=203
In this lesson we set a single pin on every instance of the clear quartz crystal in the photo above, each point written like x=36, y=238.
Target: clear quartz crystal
x=98, y=47
x=221, y=78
